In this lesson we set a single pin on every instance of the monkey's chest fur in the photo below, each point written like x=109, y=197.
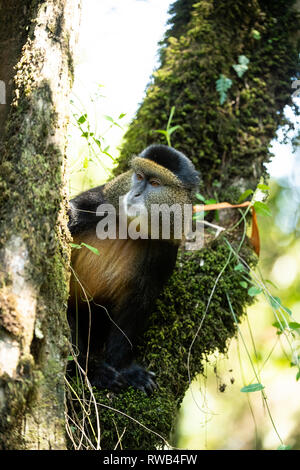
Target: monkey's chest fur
x=110, y=276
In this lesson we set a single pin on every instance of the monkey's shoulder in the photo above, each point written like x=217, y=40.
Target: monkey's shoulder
x=83, y=210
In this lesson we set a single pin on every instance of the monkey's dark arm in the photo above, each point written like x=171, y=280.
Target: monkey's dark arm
x=118, y=369
x=131, y=320
x=83, y=208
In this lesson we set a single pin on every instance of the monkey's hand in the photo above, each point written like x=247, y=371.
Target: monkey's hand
x=139, y=378
x=105, y=376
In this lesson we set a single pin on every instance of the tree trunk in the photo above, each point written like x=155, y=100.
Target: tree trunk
x=37, y=40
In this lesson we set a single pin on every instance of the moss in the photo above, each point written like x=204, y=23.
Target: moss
x=226, y=141
x=32, y=199
x=17, y=395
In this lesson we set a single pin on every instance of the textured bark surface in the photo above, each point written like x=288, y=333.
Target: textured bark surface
x=37, y=40
x=14, y=23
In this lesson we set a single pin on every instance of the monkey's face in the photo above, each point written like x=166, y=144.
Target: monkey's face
x=143, y=189
x=158, y=203
x=148, y=189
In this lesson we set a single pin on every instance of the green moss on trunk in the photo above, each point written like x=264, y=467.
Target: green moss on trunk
x=230, y=142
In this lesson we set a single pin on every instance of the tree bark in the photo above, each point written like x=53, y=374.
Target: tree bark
x=37, y=40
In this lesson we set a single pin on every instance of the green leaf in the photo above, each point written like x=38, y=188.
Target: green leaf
x=244, y=284
x=85, y=162
x=283, y=447
x=240, y=69
x=245, y=195
x=109, y=118
x=74, y=245
x=280, y=327
x=275, y=302
x=288, y=311
x=295, y=362
x=122, y=115
x=263, y=187
x=91, y=248
x=199, y=215
x=252, y=388
x=256, y=34
x=200, y=197
x=172, y=129
x=242, y=66
x=298, y=375
x=262, y=208
x=254, y=291
x=82, y=119
x=210, y=201
x=271, y=283
x=222, y=86
x=171, y=116
x=243, y=60
x=240, y=267
x=294, y=325
x=160, y=131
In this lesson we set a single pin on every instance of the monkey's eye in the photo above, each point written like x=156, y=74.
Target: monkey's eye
x=139, y=176
x=154, y=183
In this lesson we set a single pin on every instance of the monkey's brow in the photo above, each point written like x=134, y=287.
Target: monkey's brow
x=165, y=181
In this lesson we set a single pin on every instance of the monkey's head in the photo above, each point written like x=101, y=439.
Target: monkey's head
x=159, y=176
x=163, y=180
